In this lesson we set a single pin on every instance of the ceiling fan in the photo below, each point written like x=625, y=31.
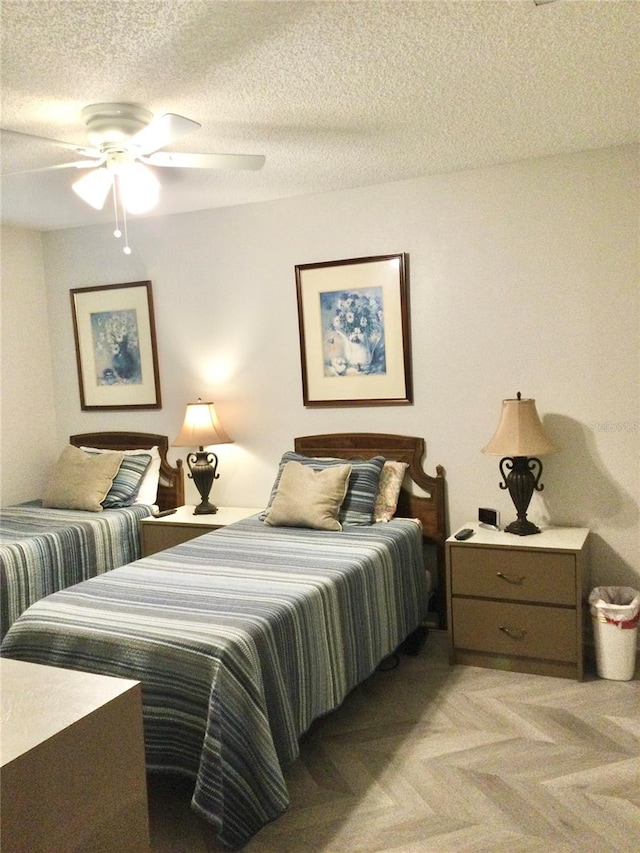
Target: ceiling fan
x=124, y=140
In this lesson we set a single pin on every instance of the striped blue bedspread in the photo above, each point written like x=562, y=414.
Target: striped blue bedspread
x=44, y=550
x=241, y=638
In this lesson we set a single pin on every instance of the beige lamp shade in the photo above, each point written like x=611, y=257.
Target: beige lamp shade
x=520, y=431
x=201, y=427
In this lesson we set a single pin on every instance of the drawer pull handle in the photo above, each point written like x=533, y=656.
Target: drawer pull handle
x=518, y=580
x=514, y=633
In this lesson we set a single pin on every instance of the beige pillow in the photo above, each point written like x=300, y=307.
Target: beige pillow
x=81, y=480
x=389, y=486
x=309, y=498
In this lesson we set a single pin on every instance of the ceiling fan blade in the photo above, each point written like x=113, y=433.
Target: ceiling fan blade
x=77, y=164
x=205, y=161
x=161, y=132
x=79, y=149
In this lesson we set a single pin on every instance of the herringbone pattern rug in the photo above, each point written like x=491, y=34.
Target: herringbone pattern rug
x=428, y=758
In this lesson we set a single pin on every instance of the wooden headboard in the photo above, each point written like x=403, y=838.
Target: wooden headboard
x=427, y=503
x=171, y=485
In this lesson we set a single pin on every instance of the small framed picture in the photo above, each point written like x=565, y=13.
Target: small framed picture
x=116, y=346
x=353, y=318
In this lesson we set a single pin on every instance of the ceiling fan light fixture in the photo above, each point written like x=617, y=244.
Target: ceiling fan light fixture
x=139, y=188
x=93, y=188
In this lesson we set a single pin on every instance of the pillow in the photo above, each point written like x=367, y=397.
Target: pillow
x=357, y=507
x=127, y=481
x=148, y=491
x=81, y=480
x=388, y=490
x=309, y=498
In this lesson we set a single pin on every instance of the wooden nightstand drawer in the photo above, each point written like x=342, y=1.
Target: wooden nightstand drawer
x=515, y=629
x=514, y=575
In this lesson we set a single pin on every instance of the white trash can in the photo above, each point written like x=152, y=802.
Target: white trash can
x=615, y=611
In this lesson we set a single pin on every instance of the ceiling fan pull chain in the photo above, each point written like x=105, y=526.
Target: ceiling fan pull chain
x=117, y=232
x=127, y=248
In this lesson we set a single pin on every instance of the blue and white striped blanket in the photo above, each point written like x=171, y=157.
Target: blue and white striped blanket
x=241, y=638
x=44, y=550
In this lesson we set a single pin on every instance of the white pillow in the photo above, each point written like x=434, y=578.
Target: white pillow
x=148, y=491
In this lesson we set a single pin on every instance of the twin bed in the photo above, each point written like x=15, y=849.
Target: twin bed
x=243, y=636
x=43, y=549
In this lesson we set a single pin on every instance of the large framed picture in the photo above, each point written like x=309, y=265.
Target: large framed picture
x=353, y=318
x=116, y=346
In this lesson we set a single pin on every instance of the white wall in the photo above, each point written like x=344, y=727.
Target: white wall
x=523, y=277
x=28, y=441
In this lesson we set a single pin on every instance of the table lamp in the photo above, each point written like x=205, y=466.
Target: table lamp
x=201, y=428
x=520, y=438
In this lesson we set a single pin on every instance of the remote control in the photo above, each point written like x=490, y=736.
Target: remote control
x=465, y=533
x=164, y=512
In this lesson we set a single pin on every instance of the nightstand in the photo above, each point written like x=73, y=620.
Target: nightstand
x=519, y=602
x=158, y=534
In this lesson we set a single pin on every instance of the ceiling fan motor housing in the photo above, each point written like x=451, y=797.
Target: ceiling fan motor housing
x=112, y=123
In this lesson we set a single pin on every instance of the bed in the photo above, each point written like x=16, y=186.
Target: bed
x=422, y=496
x=43, y=550
x=243, y=636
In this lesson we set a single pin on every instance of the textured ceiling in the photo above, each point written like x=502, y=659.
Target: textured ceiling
x=335, y=94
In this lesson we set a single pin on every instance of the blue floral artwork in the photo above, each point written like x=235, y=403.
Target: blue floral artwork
x=353, y=332
x=116, y=347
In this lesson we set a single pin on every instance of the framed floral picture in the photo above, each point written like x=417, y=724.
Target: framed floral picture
x=116, y=346
x=354, y=332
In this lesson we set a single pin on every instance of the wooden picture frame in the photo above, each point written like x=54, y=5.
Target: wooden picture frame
x=116, y=348
x=353, y=318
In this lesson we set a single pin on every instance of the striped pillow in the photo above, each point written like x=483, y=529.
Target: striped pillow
x=127, y=481
x=358, y=504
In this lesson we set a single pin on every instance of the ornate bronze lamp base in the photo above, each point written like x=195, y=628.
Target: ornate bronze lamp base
x=521, y=480
x=202, y=465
